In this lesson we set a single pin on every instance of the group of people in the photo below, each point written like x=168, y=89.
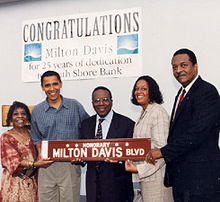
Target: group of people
x=181, y=165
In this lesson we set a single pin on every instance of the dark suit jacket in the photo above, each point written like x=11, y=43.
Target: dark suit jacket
x=116, y=183
x=192, y=148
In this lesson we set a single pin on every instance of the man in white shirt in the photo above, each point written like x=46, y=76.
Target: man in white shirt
x=107, y=181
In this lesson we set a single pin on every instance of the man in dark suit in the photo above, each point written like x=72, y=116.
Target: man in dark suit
x=107, y=181
x=192, y=149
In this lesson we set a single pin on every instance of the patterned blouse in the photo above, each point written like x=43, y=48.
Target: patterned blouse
x=14, y=188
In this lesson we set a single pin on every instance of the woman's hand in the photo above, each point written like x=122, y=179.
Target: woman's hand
x=129, y=166
x=44, y=163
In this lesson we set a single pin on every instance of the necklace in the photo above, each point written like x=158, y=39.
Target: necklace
x=22, y=137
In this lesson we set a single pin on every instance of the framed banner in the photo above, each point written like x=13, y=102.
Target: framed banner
x=97, y=150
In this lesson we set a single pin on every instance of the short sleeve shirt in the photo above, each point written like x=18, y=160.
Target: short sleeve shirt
x=49, y=123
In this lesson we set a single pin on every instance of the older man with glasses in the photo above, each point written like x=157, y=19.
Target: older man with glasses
x=107, y=181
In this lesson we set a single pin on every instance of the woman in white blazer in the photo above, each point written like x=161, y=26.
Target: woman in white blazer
x=153, y=123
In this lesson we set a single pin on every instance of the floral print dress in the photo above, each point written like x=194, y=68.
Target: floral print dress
x=14, y=188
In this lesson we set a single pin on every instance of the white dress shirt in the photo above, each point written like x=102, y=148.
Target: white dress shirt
x=187, y=88
x=105, y=124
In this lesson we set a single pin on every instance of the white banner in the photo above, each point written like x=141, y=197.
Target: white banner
x=83, y=46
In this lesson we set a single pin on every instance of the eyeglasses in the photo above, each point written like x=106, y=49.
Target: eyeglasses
x=104, y=100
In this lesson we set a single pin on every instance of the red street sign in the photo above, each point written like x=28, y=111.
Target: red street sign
x=97, y=150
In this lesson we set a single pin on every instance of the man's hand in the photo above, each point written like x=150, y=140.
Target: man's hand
x=78, y=161
x=110, y=160
x=152, y=155
x=130, y=167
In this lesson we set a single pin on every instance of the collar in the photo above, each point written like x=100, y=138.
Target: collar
x=187, y=88
x=64, y=103
x=107, y=118
x=149, y=107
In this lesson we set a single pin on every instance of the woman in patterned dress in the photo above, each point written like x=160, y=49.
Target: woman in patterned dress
x=153, y=123
x=18, y=158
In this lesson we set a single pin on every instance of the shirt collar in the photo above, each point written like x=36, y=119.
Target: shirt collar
x=107, y=118
x=187, y=88
x=64, y=103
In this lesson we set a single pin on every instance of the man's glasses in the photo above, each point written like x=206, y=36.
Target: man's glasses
x=104, y=100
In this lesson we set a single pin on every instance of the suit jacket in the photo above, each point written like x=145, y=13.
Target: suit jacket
x=116, y=184
x=192, y=147
x=153, y=123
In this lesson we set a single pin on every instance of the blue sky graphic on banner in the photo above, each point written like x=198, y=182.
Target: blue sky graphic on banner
x=32, y=52
x=127, y=44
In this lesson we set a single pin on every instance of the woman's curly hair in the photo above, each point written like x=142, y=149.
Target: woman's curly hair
x=16, y=105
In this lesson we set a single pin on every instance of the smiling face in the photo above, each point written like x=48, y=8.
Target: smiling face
x=19, y=118
x=141, y=93
x=183, y=69
x=102, y=102
x=51, y=86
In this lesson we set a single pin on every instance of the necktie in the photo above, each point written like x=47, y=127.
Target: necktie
x=181, y=98
x=98, y=164
x=99, y=131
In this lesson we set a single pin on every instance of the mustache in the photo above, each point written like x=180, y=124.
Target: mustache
x=180, y=74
